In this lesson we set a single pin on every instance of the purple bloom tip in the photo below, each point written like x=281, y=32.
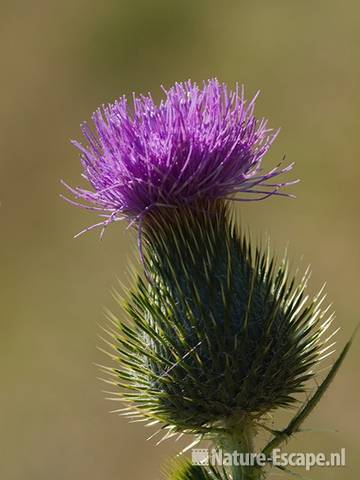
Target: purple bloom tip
x=197, y=144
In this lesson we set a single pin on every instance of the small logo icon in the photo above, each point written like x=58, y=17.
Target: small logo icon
x=200, y=456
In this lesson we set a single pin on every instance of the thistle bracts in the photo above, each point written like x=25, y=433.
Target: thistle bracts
x=221, y=333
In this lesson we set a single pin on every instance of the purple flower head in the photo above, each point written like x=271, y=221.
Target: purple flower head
x=197, y=144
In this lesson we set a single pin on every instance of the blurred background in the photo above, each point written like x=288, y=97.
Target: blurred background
x=59, y=61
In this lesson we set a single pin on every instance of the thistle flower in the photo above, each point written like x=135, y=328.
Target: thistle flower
x=198, y=143
x=221, y=334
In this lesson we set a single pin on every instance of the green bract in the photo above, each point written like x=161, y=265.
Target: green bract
x=221, y=333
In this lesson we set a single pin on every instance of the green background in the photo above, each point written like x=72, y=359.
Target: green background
x=59, y=61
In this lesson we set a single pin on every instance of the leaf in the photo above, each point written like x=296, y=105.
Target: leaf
x=187, y=471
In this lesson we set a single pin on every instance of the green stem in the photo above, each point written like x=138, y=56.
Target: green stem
x=240, y=439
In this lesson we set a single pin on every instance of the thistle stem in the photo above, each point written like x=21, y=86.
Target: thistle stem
x=240, y=441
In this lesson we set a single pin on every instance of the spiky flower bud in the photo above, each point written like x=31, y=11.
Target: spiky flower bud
x=221, y=334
